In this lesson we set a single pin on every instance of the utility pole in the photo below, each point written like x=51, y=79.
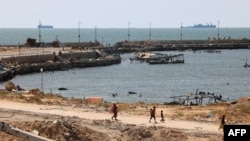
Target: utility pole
x=41, y=70
x=79, y=32
x=129, y=31
x=218, y=34
x=181, y=31
x=19, y=48
x=149, y=32
x=95, y=34
x=102, y=38
x=39, y=33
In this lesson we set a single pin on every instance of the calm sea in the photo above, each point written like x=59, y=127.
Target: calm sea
x=14, y=36
x=220, y=73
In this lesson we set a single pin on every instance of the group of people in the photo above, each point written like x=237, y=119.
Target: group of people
x=152, y=115
x=114, y=110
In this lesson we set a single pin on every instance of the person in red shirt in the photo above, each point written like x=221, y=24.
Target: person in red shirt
x=222, y=122
x=114, y=110
x=152, y=114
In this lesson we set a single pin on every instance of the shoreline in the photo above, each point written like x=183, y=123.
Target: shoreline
x=187, y=122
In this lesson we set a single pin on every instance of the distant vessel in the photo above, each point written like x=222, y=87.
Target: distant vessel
x=201, y=26
x=44, y=26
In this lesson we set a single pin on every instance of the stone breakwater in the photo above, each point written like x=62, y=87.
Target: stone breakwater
x=176, y=45
x=18, y=65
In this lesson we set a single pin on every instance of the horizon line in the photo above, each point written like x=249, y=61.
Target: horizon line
x=115, y=27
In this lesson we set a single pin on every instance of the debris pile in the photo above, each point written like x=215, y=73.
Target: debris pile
x=62, y=130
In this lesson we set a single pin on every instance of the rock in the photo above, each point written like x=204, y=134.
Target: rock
x=19, y=88
x=35, y=91
x=9, y=86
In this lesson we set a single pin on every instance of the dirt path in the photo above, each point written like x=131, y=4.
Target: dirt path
x=92, y=114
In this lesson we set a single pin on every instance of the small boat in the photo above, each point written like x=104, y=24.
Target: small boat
x=132, y=92
x=144, y=55
x=60, y=89
x=171, y=59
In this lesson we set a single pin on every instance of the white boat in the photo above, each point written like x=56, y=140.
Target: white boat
x=144, y=55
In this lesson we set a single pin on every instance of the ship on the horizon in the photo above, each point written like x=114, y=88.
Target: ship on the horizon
x=44, y=26
x=201, y=26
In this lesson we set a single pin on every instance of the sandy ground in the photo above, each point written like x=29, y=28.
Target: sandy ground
x=38, y=112
x=123, y=116
x=71, y=119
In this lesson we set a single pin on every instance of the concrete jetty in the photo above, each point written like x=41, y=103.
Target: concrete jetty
x=176, y=45
x=51, y=61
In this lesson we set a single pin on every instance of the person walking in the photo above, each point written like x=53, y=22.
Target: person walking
x=152, y=114
x=162, y=116
x=222, y=122
x=114, y=110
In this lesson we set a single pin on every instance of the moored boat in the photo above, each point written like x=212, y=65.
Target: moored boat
x=132, y=92
x=144, y=55
x=171, y=59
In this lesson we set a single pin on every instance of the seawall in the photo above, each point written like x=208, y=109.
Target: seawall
x=26, y=64
x=174, y=45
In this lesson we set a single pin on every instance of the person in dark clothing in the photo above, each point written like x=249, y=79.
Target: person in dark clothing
x=222, y=122
x=162, y=116
x=114, y=110
x=152, y=114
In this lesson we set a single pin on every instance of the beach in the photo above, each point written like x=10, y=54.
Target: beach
x=45, y=113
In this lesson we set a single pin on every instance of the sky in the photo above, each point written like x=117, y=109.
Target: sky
x=121, y=13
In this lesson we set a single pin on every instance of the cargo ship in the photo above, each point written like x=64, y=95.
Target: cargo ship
x=44, y=26
x=201, y=26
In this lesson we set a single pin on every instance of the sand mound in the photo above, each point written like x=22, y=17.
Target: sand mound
x=155, y=133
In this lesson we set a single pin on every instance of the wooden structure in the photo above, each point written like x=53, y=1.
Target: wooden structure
x=195, y=99
x=167, y=59
x=159, y=58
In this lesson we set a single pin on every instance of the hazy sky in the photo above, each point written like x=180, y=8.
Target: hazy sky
x=117, y=13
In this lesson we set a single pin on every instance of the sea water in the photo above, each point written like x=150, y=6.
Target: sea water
x=219, y=73
x=209, y=72
x=15, y=36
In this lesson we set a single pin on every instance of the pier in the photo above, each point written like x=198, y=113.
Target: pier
x=17, y=64
x=180, y=45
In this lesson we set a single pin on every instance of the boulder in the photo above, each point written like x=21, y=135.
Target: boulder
x=9, y=86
